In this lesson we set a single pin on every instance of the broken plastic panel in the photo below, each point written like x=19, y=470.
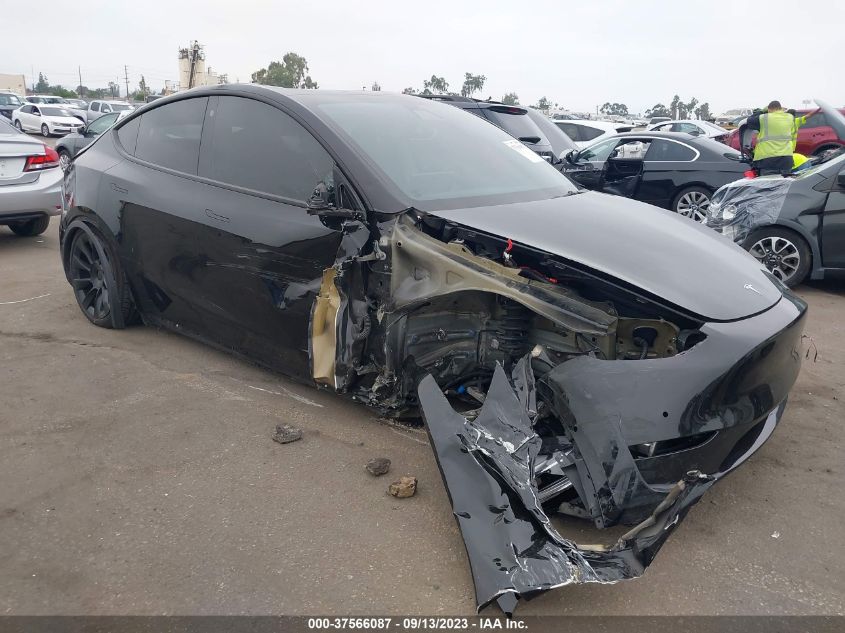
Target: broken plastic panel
x=489, y=463
x=740, y=207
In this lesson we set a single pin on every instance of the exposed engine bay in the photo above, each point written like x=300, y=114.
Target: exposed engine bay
x=606, y=415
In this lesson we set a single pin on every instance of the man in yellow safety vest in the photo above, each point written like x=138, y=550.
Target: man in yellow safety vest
x=776, y=139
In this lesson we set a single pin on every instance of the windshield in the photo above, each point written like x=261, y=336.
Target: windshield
x=10, y=100
x=120, y=107
x=435, y=153
x=48, y=111
x=53, y=100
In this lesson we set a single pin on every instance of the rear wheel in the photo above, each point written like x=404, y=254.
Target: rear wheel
x=30, y=228
x=95, y=293
x=785, y=254
x=45, y=131
x=692, y=203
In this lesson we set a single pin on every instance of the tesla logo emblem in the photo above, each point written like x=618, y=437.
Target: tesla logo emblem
x=752, y=289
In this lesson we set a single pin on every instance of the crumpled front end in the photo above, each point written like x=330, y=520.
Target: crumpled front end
x=549, y=388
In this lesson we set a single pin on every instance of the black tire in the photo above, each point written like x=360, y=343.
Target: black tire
x=18, y=125
x=821, y=150
x=91, y=286
x=31, y=228
x=778, y=249
x=692, y=203
x=45, y=130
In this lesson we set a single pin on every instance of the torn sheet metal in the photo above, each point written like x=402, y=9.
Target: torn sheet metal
x=488, y=466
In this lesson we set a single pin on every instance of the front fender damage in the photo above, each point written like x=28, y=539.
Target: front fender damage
x=488, y=467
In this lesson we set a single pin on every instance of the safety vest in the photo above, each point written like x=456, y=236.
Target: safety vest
x=776, y=135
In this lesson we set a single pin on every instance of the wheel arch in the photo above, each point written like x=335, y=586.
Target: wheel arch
x=96, y=229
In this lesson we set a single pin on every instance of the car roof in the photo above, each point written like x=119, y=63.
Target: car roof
x=608, y=126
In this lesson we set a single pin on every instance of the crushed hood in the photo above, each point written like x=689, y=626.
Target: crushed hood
x=660, y=252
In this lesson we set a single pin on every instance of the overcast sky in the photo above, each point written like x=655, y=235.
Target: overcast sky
x=579, y=54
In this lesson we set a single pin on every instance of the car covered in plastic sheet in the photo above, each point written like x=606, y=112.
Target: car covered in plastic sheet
x=794, y=225
x=570, y=352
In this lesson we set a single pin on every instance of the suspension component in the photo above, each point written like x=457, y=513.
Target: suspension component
x=513, y=328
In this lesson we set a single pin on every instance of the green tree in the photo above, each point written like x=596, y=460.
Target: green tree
x=657, y=110
x=616, y=109
x=543, y=104
x=472, y=84
x=114, y=89
x=409, y=91
x=511, y=98
x=291, y=72
x=703, y=112
x=142, y=88
x=43, y=85
x=689, y=107
x=435, y=85
x=674, y=107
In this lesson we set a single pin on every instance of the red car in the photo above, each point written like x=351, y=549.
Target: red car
x=814, y=137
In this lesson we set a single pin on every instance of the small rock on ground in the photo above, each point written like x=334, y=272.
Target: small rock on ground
x=285, y=434
x=378, y=466
x=404, y=487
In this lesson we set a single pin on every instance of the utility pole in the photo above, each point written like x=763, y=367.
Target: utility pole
x=79, y=68
x=126, y=76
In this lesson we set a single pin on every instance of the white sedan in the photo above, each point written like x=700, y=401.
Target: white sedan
x=585, y=133
x=47, y=119
x=691, y=126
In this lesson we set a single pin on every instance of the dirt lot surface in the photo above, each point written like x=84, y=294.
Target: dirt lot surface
x=137, y=476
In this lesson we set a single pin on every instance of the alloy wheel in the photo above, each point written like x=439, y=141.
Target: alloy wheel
x=780, y=256
x=45, y=131
x=64, y=160
x=694, y=205
x=19, y=125
x=88, y=277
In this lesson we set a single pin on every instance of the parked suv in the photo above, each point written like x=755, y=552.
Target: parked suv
x=96, y=109
x=9, y=102
x=815, y=137
x=512, y=119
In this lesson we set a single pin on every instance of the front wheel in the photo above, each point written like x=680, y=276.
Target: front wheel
x=95, y=293
x=64, y=159
x=19, y=125
x=31, y=228
x=692, y=203
x=785, y=254
x=45, y=131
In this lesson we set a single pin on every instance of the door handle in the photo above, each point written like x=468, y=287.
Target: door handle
x=216, y=216
x=118, y=189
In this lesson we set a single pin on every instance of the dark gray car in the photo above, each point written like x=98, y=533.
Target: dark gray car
x=70, y=145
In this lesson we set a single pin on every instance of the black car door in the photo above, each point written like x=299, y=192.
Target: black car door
x=261, y=253
x=833, y=227
x=624, y=168
x=587, y=166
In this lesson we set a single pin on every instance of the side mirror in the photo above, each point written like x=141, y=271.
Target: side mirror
x=571, y=156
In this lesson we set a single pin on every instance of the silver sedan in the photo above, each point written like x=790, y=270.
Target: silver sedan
x=30, y=182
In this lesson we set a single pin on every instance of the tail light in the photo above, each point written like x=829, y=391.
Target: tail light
x=750, y=173
x=42, y=161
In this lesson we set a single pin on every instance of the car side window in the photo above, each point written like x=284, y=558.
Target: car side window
x=36, y=111
x=817, y=120
x=95, y=107
x=127, y=134
x=663, y=150
x=250, y=144
x=599, y=152
x=571, y=130
x=105, y=108
x=589, y=133
x=27, y=109
x=102, y=124
x=169, y=136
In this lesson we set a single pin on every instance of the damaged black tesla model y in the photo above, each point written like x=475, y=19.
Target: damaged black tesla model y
x=570, y=352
